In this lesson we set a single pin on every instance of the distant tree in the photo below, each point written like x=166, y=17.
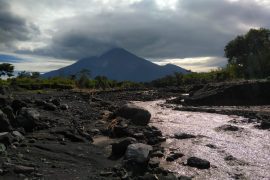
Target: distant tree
x=83, y=81
x=249, y=54
x=102, y=82
x=35, y=75
x=72, y=77
x=24, y=74
x=6, y=69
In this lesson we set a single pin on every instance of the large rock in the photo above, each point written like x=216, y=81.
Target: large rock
x=138, y=153
x=233, y=93
x=10, y=115
x=28, y=118
x=119, y=149
x=4, y=123
x=198, y=163
x=6, y=138
x=137, y=115
x=17, y=105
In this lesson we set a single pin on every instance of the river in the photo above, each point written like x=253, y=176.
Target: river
x=241, y=154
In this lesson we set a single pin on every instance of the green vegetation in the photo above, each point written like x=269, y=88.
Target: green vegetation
x=195, y=78
x=249, y=54
x=33, y=81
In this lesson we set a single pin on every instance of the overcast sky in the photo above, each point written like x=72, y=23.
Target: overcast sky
x=188, y=33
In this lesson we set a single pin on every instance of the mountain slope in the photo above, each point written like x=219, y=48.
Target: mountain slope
x=119, y=64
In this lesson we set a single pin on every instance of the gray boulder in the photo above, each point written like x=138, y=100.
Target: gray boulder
x=138, y=153
x=17, y=105
x=137, y=115
x=119, y=148
x=10, y=115
x=6, y=138
x=28, y=118
x=18, y=135
x=64, y=107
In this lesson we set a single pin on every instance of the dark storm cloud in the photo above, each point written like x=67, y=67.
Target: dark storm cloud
x=193, y=28
x=13, y=28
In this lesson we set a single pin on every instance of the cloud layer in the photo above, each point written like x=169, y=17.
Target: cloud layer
x=13, y=28
x=154, y=29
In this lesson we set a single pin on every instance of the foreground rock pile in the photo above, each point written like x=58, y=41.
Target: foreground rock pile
x=51, y=135
x=139, y=143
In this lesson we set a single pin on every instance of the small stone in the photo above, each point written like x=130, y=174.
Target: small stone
x=2, y=148
x=105, y=174
x=149, y=177
x=212, y=146
x=40, y=102
x=18, y=135
x=74, y=138
x=228, y=127
x=173, y=156
x=184, y=178
x=38, y=174
x=56, y=102
x=198, y=163
x=157, y=154
x=153, y=163
x=138, y=135
x=94, y=131
x=138, y=152
x=64, y=107
x=31, y=140
x=162, y=138
x=230, y=158
x=100, y=123
x=23, y=169
x=49, y=107
x=184, y=136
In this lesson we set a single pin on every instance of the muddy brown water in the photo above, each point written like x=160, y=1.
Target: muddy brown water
x=242, y=154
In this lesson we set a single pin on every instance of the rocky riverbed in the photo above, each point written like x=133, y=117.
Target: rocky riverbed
x=64, y=134
x=67, y=134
